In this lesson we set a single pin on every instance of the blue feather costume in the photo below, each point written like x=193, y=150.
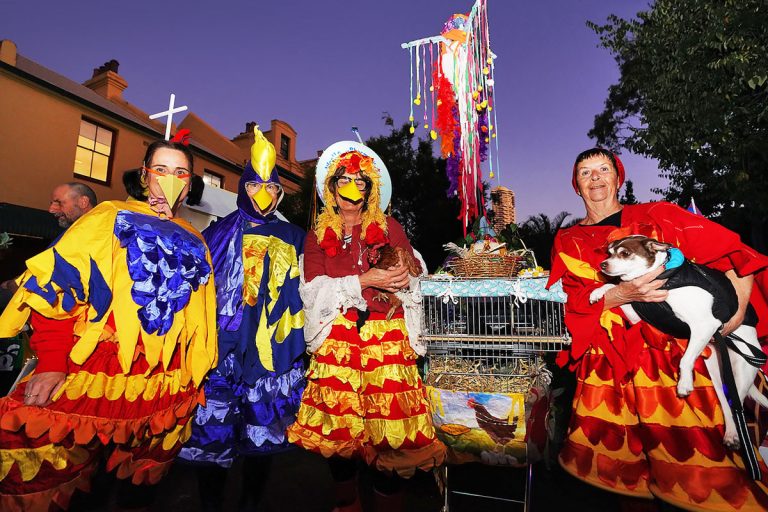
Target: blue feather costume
x=255, y=392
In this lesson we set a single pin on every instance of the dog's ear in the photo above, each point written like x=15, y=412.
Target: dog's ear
x=656, y=246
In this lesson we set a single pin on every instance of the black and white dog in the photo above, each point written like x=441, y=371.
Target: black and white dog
x=700, y=300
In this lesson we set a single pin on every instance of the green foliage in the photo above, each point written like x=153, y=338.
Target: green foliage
x=297, y=207
x=693, y=94
x=5, y=241
x=539, y=231
x=629, y=194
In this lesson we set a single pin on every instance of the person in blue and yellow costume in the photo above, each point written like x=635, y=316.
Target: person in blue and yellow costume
x=254, y=394
x=364, y=399
x=124, y=319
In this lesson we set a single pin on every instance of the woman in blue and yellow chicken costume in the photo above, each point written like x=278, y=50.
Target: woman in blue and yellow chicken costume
x=254, y=394
x=123, y=312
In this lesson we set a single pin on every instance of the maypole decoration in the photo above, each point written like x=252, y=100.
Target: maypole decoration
x=452, y=84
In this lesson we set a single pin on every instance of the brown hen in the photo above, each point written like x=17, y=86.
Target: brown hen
x=385, y=257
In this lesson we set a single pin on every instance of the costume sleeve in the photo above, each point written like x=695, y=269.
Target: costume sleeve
x=324, y=297
x=314, y=257
x=589, y=324
x=706, y=242
x=579, y=280
x=52, y=340
x=68, y=280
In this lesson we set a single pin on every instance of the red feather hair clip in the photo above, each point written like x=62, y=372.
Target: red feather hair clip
x=182, y=137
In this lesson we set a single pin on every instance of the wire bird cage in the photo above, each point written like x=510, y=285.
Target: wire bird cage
x=487, y=382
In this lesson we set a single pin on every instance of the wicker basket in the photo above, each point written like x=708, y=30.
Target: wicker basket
x=486, y=265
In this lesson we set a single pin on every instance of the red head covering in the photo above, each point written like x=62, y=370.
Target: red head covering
x=594, y=152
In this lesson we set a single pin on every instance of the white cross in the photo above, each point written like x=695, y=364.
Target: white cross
x=169, y=113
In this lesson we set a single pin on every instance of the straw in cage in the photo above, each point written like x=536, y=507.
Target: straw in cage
x=513, y=376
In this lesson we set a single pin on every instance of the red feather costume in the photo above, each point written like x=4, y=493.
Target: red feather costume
x=630, y=433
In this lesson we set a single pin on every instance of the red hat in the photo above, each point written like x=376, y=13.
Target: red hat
x=596, y=151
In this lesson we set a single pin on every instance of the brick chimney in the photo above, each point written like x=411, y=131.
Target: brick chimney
x=8, y=52
x=106, y=82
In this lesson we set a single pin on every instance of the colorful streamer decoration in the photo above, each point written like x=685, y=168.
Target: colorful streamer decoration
x=453, y=77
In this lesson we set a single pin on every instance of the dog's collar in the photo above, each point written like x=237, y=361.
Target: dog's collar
x=675, y=258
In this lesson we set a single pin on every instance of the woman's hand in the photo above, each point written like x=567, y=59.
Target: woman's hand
x=743, y=286
x=642, y=289
x=42, y=386
x=391, y=280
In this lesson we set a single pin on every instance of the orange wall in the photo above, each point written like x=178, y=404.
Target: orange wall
x=38, y=136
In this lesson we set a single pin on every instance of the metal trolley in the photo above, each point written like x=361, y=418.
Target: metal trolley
x=484, y=368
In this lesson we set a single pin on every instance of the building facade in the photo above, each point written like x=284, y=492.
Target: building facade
x=54, y=130
x=503, y=206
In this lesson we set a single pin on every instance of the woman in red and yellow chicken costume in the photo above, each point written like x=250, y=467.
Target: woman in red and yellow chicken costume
x=364, y=399
x=630, y=433
x=123, y=313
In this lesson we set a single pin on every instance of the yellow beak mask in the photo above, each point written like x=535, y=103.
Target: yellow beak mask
x=350, y=192
x=263, y=199
x=172, y=188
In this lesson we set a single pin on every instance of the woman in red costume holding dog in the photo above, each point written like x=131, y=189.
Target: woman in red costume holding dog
x=630, y=433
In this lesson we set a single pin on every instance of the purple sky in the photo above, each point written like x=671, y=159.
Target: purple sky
x=324, y=66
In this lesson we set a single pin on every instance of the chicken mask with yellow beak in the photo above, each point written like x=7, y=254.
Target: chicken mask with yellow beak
x=260, y=177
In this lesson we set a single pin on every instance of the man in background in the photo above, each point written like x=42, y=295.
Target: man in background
x=70, y=201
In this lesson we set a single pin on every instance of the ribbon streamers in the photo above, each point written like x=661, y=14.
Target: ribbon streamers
x=457, y=95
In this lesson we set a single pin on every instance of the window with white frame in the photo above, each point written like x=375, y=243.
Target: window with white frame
x=212, y=179
x=94, y=151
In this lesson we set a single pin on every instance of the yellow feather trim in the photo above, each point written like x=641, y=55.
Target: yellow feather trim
x=581, y=268
x=29, y=460
x=607, y=319
x=377, y=328
x=408, y=401
x=342, y=351
x=361, y=380
x=119, y=386
x=371, y=430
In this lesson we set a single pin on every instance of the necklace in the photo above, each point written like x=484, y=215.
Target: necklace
x=346, y=241
x=361, y=251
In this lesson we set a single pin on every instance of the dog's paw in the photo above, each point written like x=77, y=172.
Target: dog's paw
x=684, y=386
x=598, y=293
x=731, y=440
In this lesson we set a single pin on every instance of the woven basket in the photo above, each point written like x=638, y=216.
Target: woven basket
x=486, y=265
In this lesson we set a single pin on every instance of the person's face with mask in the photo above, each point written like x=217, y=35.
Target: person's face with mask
x=263, y=195
x=166, y=166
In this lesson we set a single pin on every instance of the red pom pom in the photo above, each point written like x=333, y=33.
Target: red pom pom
x=330, y=243
x=374, y=235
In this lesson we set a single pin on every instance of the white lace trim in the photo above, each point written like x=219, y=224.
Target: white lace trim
x=325, y=296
